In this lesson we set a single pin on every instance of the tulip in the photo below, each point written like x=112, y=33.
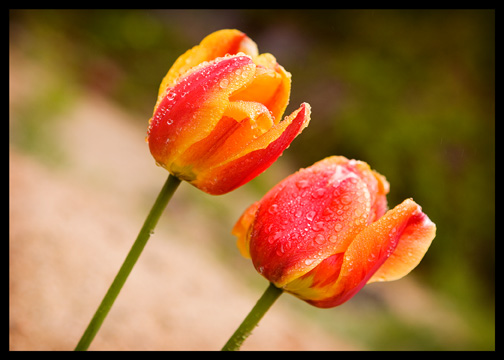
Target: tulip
x=216, y=123
x=324, y=232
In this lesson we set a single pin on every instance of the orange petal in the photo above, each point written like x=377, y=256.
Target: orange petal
x=278, y=131
x=411, y=248
x=370, y=249
x=243, y=227
x=242, y=122
x=270, y=87
x=255, y=158
x=215, y=45
x=256, y=113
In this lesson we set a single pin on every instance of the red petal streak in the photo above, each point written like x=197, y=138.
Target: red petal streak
x=244, y=168
x=242, y=123
x=215, y=45
x=191, y=109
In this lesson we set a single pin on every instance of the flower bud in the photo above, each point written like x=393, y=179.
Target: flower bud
x=324, y=232
x=216, y=122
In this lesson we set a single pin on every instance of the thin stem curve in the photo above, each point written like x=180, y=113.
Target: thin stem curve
x=147, y=229
x=271, y=294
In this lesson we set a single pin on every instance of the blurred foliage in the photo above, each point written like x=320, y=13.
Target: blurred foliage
x=411, y=92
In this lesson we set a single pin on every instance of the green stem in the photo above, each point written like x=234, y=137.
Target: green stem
x=250, y=322
x=162, y=200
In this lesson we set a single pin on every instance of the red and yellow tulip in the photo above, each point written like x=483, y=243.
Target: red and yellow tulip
x=324, y=232
x=216, y=122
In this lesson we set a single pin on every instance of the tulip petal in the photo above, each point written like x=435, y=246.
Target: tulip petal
x=279, y=136
x=314, y=285
x=369, y=251
x=243, y=227
x=376, y=183
x=271, y=86
x=320, y=220
x=217, y=44
x=412, y=246
x=192, y=108
x=242, y=122
x=257, y=156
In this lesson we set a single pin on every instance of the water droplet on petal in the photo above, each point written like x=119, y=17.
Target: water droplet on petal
x=309, y=261
x=333, y=238
x=318, y=193
x=346, y=199
x=320, y=239
x=318, y=226
x=303, y=183
x=273, y=209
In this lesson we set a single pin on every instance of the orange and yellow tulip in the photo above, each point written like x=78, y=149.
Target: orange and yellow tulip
x=324, y=232
x=216, y=122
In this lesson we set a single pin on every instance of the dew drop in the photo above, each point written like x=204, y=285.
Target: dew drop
x=302, y=184
x=310, y=216
x=309, y=261
x=277, y=235
x=317, y=194
x=358, y=212
x=318, y=226
x=320, y=239
x=224, y=83
x=333, y=238
x=273, y=209
x=345, y=199
x=287, y=245
x=280, y=251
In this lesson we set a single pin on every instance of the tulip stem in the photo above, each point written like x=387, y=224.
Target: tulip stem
x=250, y=322
x=162, y=200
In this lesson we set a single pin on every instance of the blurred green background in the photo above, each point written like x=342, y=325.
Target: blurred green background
x=411, y=92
